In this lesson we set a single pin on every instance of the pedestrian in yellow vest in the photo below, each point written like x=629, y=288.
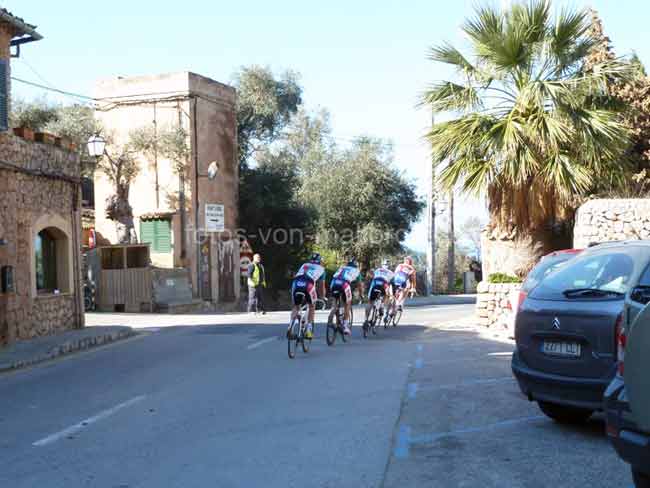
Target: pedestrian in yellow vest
x=256, y=285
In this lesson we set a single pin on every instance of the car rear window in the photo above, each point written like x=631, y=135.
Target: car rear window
x=609, y=272
x=545, y=267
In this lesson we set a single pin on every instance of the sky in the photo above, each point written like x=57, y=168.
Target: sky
x=365, y=61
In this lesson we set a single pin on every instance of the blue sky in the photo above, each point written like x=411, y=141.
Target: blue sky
x=363, y=61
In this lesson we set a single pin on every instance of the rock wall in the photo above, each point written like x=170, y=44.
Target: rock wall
x=38, y=189
x=611, y=220
x=492, y=302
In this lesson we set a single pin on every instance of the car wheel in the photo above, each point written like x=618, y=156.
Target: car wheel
x=564, y=414
x=641, y=480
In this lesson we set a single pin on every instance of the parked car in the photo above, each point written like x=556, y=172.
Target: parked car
x=544, y=267
x=627, y=399
x=566, y=329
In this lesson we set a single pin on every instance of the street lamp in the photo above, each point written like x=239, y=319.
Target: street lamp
x=96, y=146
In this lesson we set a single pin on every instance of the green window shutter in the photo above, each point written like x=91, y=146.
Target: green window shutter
x=157, y=233
x=4, y=95
x=163, y=236
x=147, y=235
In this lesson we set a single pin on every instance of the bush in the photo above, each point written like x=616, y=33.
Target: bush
x=503, y=278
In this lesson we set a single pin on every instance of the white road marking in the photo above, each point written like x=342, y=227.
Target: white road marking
x=85, y=423
x=257, y=344
x=500, y=354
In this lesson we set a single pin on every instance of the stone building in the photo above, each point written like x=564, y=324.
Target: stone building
x=40, y=277
x=170, y=205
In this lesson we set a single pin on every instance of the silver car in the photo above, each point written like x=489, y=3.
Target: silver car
x=566, y=329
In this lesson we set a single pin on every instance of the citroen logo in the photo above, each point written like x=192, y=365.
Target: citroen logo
x=556, y=323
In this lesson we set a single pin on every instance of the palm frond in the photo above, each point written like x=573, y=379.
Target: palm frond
x=448, y=54
x=447, y=96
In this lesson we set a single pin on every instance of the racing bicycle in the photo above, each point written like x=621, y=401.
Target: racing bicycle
x=296, y=333
x=335, y=321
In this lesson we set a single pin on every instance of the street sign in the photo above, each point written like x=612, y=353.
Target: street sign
x=214, y=217
x=244, y=263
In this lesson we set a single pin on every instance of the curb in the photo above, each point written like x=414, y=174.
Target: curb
x=68, y=347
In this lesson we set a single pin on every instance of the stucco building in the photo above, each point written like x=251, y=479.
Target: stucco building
x=40, y=273
x=170, y=205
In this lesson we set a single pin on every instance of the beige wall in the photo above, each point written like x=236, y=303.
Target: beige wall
x=206, y=109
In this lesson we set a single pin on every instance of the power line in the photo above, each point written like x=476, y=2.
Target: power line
x=122, y=100
x=56, y=90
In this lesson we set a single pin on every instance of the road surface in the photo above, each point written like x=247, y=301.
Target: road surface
x=186, y=405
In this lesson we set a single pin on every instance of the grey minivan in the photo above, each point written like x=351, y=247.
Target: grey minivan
x=566, y=329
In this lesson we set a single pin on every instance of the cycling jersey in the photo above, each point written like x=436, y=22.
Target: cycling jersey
x=340, y=284
x=304, y=283
x=347, y=273
x=403, y=273
x=381, y=278
x=383, y=273
x=314, y=272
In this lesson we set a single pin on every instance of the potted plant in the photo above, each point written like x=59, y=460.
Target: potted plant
x=24, y=133
x=44, y=137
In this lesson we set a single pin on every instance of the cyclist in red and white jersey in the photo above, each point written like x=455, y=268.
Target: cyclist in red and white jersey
x=403, y=282
x=309, y=277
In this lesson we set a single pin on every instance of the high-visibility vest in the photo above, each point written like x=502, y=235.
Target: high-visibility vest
x=254, y=278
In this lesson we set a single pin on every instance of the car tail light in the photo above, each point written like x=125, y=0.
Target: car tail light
x=522, y=297
x=621, y=343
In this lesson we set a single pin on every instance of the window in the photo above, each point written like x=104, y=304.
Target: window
x=158, y=233
x=609, y=271
x=46, y=269
x=4, y=95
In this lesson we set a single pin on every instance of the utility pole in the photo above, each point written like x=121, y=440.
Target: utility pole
x=451, y=256
x=431, y=228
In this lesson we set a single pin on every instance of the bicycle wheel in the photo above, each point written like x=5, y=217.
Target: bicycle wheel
x=369, y=322
x=397, y=317
x=293, y=338
x=306, y=343
x=330, y=334
x=341, y=329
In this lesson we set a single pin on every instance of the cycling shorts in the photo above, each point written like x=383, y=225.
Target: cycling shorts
x=303, y=290
x=342, y=289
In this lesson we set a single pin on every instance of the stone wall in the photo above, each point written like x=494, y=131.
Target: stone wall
x=38, y=189
x=492, y=302
x=611, y=220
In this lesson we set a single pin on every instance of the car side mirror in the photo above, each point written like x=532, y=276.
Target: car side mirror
x=641, y=294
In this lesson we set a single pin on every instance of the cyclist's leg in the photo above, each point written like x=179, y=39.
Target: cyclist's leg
x=347, y=296
x=312, y=296
x=369, y=305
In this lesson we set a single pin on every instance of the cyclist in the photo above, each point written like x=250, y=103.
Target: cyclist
x=380, y=286
x=342, y=283
x=310, y=276
x=403, y=283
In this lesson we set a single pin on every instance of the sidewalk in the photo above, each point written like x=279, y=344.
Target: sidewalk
x=426, y=301
x=26, y=353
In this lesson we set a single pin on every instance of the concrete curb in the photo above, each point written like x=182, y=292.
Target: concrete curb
x=67, y=347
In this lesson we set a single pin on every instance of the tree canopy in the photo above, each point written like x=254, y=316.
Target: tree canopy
x=265, y=105
x=531, y=126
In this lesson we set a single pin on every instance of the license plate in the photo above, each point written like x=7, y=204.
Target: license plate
x=564, y=349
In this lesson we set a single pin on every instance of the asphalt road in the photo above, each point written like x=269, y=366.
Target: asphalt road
x=222, y=406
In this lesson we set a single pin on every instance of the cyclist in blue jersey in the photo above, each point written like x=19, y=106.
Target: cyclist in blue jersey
x=309, y=277
x=380, y=286
x=344, y=279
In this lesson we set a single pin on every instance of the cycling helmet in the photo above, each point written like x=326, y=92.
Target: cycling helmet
x=315, y=258
x=385, y=263
x=353, y=263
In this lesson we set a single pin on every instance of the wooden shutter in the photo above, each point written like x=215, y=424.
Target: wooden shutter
x=158, y=234
x=4, y=95
x=163, y=236
x=147, y=235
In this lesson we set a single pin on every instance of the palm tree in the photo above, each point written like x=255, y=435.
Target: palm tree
x=531, y=126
